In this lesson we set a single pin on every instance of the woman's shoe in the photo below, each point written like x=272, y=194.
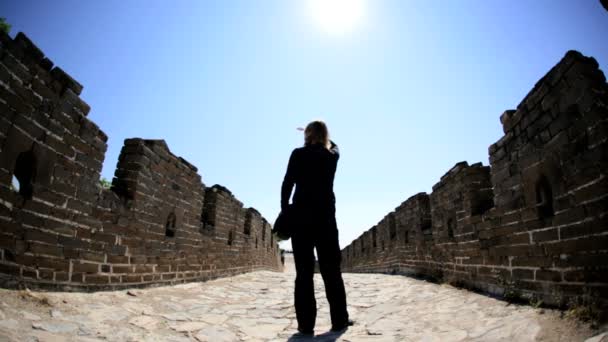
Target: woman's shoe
x=344, y=326
x=306, y=332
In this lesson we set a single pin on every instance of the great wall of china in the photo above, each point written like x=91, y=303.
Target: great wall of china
x=533, y=224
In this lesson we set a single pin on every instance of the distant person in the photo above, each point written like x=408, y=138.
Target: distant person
x=311, y=169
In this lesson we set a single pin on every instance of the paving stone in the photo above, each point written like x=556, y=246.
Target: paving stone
x=8, y=324
x=30, y=316
x=384, y=307
x=56, y=314
x=214, y=319
x=55, y=326
x=145, y=322
x=177, y=316
x=8, y=337
x=215, y=334
x=188, y=326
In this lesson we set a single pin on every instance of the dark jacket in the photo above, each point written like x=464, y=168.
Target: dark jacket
x=311, y=169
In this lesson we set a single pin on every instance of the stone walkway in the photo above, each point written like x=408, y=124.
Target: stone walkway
x=258, y=307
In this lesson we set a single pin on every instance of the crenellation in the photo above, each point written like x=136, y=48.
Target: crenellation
x=533, y=223
x=157, y=224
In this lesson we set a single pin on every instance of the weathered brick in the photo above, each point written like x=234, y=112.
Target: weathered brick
x=587, y=276
x=143, y=268
x=85, y=267
x=545, y=235
x=72, y=242
x=102, y=237
x=77, y=277
x=57, y=264
x=37, y=235
x=135, y=278
x=42, y=90
x=123, y=269
x=79, y=206
x=29, y=273
x=569, y=215
x=573, y=245
x=62, y=276
x=44, y=249
x=90, y=256
x=587, y=260
x=523, y=274
x=46, y=274
x=96, y=279
x=546, y=275
x=10, y=269
x=526, y=261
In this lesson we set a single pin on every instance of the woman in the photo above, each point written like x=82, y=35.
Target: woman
x=311, y=169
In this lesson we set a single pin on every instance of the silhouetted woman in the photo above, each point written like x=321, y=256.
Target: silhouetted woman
x=311, y=169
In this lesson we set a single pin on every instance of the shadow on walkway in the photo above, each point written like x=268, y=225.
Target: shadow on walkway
x=325, y=337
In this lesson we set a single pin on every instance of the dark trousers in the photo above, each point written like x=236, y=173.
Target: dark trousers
x=318, y=232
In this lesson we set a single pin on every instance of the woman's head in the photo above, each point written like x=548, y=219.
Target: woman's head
x=316, y=133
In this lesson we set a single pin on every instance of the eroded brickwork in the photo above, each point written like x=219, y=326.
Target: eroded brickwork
x=534, y=224
x=157, y=224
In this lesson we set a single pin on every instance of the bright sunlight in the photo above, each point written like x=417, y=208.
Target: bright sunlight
x=337, y=16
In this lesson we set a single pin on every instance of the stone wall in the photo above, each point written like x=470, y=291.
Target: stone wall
x=158, y=224
x=534, y=224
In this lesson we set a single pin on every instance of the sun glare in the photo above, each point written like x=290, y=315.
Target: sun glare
x=337, y=16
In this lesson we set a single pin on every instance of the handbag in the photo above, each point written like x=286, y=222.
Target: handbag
x=284, y=224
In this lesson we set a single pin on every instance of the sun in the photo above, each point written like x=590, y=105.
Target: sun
x=337, y=16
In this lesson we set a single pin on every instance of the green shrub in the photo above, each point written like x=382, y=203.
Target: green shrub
x=105, y=184
x=4, y=26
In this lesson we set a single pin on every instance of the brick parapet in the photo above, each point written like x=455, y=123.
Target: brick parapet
x=60, y=229
x=534, y=223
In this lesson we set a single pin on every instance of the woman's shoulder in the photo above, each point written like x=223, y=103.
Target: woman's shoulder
x=297, y=152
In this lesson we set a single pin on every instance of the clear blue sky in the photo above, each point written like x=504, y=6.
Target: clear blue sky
x=415, y=88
